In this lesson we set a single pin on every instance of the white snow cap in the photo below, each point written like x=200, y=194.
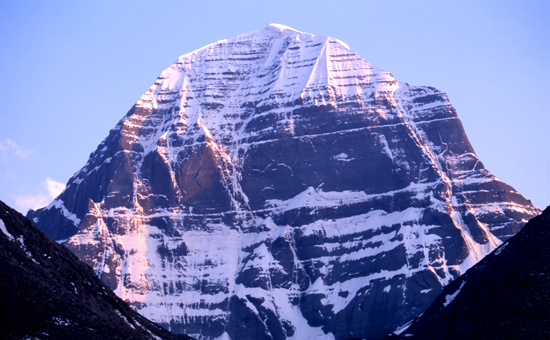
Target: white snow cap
x=281, y=28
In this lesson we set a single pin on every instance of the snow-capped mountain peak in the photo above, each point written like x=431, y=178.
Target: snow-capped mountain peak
x=278, y=177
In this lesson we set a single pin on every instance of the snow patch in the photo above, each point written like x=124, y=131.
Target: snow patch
x=57, y=203
x=403, y=328
x=59, y=321
x=5, y=231
x=281, y=28
x=449, y=298
x=123, y=317
x=501, y=248
x=343, y=157
x=21, y=241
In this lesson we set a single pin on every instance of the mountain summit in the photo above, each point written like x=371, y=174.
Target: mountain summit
x=277, y=186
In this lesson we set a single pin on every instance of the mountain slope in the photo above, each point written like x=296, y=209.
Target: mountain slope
x=47, y=293
x=279, y=178
x=505, y=296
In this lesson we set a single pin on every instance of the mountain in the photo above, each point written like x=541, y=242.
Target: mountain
x=46, y=292
x=504, y=296
x=276, y=185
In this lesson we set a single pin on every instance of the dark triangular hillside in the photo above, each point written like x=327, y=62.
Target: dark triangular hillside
x=504, y=296
x=46, y=292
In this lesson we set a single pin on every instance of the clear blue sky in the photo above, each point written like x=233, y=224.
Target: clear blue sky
x=69, y=70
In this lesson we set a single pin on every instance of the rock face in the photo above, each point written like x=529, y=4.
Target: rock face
x=46, y=292
x=278, y=186
x=504, y=296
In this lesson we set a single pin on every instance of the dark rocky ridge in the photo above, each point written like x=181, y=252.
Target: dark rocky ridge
x=504, y=296
x=276, y=185
x=46, y=292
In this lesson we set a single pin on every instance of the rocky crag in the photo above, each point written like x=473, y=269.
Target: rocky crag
x=278, y=186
